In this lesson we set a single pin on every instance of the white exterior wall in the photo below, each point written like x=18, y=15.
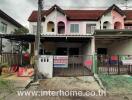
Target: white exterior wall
x=55, y=17
x=107, y=17
x=31, y=24
x=10, y=29
x=121, y=47
x=52, y=17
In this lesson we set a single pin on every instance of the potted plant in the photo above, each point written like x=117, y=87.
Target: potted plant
x=5, y=67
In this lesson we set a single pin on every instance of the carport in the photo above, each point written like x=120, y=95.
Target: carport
x=116, y=42
x=112, y=47
x=14, y=57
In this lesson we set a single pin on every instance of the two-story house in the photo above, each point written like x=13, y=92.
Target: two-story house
x=80, y=32
x=7, y=26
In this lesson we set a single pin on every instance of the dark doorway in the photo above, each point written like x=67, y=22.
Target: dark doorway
x=102, y=51
x=61, y=51
x=73, y=51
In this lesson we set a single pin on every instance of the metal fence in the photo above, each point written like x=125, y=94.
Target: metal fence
x=114, y=64
x=77, y=65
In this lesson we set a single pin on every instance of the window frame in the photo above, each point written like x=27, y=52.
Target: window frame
x=92, y=27
x=75, y=29
x=3, y=27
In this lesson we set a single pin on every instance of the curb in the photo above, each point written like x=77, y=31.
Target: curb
x=99, y=81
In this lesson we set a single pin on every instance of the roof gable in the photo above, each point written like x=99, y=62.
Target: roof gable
x=55, y=7
x=116, y=8
x=9, y=19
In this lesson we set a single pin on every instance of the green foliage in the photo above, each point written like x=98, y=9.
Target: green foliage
x=22, y=30
x=6, y=85
x=4, y=65
x=25, y=46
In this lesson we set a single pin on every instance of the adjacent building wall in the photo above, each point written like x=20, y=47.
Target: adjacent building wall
x=10, y=29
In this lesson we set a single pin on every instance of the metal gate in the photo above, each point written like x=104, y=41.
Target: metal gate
x=114, y=64
x=77, y=65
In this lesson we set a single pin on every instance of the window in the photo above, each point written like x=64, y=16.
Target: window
x=61, y=27
x=35, y=29
x=90, y=28
x=50, y=26
x=106, y=25
x=3, y=27
x=74, y=28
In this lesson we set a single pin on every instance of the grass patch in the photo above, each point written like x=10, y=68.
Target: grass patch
x=6, y=86
x=117, y=83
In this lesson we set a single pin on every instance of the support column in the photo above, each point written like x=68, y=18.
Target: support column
x=93, y=45
x=94, y=69
x=0, y=50
x=0, y=45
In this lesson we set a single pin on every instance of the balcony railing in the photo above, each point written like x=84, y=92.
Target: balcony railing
x=128, y=27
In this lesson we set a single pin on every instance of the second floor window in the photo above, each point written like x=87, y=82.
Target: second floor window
x=90, y=28
x=74, y=28
x=3, y=27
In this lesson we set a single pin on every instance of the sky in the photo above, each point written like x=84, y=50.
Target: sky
x=20, y=10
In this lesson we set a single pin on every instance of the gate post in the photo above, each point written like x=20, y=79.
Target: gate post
x=118, y=65
x=95, y=63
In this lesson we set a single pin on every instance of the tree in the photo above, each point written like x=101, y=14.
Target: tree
x=21, y=30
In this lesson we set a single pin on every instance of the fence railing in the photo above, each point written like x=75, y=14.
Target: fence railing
x=128, y=27
x=9, y=58
x=115, y=64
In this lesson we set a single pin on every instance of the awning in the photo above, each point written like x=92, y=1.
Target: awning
x=53, y=38
x=24, y=38
x=113, y=32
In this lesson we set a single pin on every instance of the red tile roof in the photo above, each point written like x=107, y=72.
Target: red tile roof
x=73, y=15
x=84, y=14
x=128, y=14
x=77, y=15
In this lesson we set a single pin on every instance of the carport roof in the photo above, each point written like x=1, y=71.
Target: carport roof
x=109, y=36
x=113, y=32
x=20, y=37
x=55, y=38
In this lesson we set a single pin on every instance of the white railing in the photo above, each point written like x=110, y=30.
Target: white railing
x=67, y=34
x=128, y=27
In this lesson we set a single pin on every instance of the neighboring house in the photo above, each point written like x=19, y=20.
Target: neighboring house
x=72, y=32
x=7, y=26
